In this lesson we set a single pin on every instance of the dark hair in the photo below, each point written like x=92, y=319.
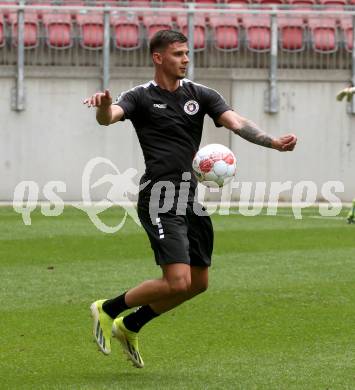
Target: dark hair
x=163, y=38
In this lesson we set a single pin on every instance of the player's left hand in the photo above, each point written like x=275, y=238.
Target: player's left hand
x=346, y=92
x=285, y=143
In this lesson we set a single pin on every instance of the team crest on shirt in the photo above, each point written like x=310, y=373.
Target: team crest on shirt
x=191, y=107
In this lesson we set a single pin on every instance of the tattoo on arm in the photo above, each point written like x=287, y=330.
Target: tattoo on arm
x=251, y=132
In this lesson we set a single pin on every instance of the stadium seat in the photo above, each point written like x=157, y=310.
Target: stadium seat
x=209, y=2
x=127, y=31
x=333, y=3
x=258, y=32
x=172, y=2
x=242, y=2
x=199, y=30
x=2, y=30
x=91, y=30
x=323, y=34
x=30, y=29
x=304, y=4
x=267, y=2
x=58, y=30
x=154, y=23
x=346, y=26
x=291, y=33
x=225, y=32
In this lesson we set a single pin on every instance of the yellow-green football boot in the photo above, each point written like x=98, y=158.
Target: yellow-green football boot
x=128, y=341
x=102, y=327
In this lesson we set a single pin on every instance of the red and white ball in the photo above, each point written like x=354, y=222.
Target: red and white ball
x=214, y=165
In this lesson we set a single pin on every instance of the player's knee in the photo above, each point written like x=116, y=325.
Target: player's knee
x=180, y=285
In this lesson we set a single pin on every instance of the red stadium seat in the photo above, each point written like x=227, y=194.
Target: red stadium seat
x=127, y=31
x=258, y=32
x=58, y=30
x=291, y=33
x=266, y=2
x=225, y=32
x=91, y=30
x=242, y=2
x=323, y=34
x=346, y=26
x=153, y=23
x=307, y=3
x=2, y=30
x=332, y=3
x=30, y=30
x=206, y=1
x=199, y=30
x=171, y=2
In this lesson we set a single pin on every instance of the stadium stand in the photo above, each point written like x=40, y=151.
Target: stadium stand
x=258, y=32
x=346, y=26
x=199, y=30
x=154, y=23
x=58, y=30
x=91, y=30
x=215, y=33
x=292, y=30
x=226, y=32
x=127, y=31
x=323, y=34
x=31, y=29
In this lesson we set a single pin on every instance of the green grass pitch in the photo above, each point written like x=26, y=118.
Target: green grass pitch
x=279, y=312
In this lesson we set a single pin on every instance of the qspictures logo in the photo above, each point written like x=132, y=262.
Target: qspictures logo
x=122, y=187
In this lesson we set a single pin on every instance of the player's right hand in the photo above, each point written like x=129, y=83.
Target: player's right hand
x=100, y=99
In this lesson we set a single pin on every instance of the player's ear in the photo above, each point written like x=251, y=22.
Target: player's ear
x=157, y=58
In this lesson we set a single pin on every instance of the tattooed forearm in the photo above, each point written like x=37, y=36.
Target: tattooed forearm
x=251, y=132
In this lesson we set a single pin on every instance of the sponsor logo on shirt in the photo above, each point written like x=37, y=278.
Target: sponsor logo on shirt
x=156, y=105
x=191, y=107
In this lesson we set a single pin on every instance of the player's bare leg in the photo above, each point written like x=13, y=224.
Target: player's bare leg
x=175, y=281
x=180, y=283
x=199, y=284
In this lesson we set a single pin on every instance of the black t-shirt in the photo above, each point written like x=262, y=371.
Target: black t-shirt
x=169, y=124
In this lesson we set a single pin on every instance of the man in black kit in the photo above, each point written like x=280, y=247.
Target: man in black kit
x=167, y=114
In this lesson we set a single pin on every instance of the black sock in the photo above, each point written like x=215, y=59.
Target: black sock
x=140, y=317
x=113, y=307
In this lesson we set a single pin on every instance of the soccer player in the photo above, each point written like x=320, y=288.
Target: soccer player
x=167, y=114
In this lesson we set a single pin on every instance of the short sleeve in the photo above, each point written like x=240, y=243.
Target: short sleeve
x=214, y=104
x=129, y=102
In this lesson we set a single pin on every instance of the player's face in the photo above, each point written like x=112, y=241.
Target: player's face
x=174, y=60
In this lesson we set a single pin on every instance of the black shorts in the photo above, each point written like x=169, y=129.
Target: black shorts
x=178, y=238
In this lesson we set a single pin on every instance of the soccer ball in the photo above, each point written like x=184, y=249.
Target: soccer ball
x=214, y=165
